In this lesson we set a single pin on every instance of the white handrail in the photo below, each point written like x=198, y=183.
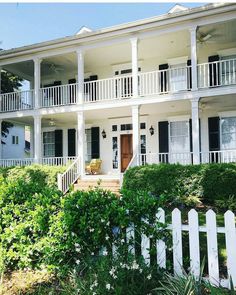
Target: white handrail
x=17, y=101
x=69, y=177
x=58, y=95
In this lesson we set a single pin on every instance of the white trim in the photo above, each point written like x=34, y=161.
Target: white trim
x=227, y=114
x=177, y=60
x=179, y=118
x=226, y=52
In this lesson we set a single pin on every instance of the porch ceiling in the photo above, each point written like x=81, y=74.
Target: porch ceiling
x=219, y=103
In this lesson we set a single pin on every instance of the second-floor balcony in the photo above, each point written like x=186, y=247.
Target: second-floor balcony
x=169, y=81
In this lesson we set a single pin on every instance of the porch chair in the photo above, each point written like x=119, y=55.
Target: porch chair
x=94, y=166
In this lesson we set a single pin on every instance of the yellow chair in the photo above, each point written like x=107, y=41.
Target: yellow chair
x=94, y=166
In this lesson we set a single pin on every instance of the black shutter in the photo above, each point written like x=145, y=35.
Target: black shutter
x=93, y=91
x=72, y=91
x=86, y=86
x=163, y=140
x=95, y=148
x=163, y=77
x=71, y=142
x=214, y=70
x=190, y=135
x=189, y=74
x=57, y=93
x=214, y=133
x=58, y=143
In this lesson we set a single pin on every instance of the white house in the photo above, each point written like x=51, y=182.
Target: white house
x=161, y=89
x=16, y=144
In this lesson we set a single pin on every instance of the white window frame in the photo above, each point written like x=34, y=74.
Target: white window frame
x=47, y=144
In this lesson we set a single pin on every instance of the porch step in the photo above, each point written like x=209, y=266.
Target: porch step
x=112, y=185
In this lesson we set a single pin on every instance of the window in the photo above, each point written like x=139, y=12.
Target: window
x=88, y=152
x=228, y=132
x=228, y=70
x=142, y=125
x=114, y=128
x=143, y=149
x=114, y=152
x=125, y=127
x=15, y=139
x=178, y=77
x=49, y=144
x=179, y=137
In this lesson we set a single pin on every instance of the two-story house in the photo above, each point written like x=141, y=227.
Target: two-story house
x=162, y=89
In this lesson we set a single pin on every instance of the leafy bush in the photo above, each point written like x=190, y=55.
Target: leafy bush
x=90, y=221
x=28, y=198
x=180, y=184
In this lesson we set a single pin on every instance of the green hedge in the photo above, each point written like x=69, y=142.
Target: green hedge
x=184, y=184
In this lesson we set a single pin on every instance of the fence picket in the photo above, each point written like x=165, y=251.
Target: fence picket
x=194, y=246
x=177, y=242
x=160, y=244
x=130, y=239
x=230, y=239
x=212, y=248
x=145, y=247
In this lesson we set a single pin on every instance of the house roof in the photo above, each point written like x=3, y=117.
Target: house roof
x=174, y=14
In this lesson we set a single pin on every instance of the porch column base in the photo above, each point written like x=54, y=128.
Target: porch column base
x=135, y=122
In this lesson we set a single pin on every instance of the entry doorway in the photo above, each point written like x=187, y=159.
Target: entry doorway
x=126, y=150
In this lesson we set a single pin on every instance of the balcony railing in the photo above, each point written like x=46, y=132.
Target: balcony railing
x=172, y=80
x=51, y=161
x=172, y=158
x=17, y=101
x=218, y=73
x=165, y=81
x=108, y=89
x=58, y=95
x=227, y=156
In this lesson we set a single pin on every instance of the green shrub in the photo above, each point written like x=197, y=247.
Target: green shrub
x=180, y=184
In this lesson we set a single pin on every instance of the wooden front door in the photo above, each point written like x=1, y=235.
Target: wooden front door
x=126, y=150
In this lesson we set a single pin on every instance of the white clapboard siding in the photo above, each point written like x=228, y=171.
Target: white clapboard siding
x=145, y=247
x=194, y=245
x=160, y=244
x=230, y=239
x=177, y=242
x=212, y=248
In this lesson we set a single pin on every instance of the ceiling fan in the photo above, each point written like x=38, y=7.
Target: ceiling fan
x=51, y=122
x=207, y=37
x=53, y=67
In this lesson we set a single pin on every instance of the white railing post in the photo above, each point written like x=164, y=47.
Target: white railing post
x=193, y=33
x=37, y=138
x=195, y=131
x=37, y=73
x=80, y=70
x=59, y=181
x=135, y=122
x=134, y=45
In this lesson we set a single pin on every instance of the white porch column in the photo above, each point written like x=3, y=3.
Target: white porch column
x=0, y=80
x=193, y=35
x=0, y=139
x=37, y=80
x=195, y=131
x=81, y=140
x=31, y=141
x=80, y=70
x=135, y=122
x=134, y=45
x=37, y=138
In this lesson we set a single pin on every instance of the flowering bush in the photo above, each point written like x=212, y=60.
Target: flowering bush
x=118, y=276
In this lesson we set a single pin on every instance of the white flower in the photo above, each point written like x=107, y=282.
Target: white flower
x=149, y=277
x=77, y=250
x=108, y=223
x=92, y=253
x=91, y=230
x=122, y=241
x=140, y=270
x=108, y=286
x=102, y=220
x=94, y=293
x=107, y=238
x=76, y=245
x=105, y=253
x=77, y=261
x=112, y=271
x=73, y=234
x=135, y=265
x=95, y=283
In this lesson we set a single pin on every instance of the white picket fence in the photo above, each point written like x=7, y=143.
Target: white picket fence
x=177, y=228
